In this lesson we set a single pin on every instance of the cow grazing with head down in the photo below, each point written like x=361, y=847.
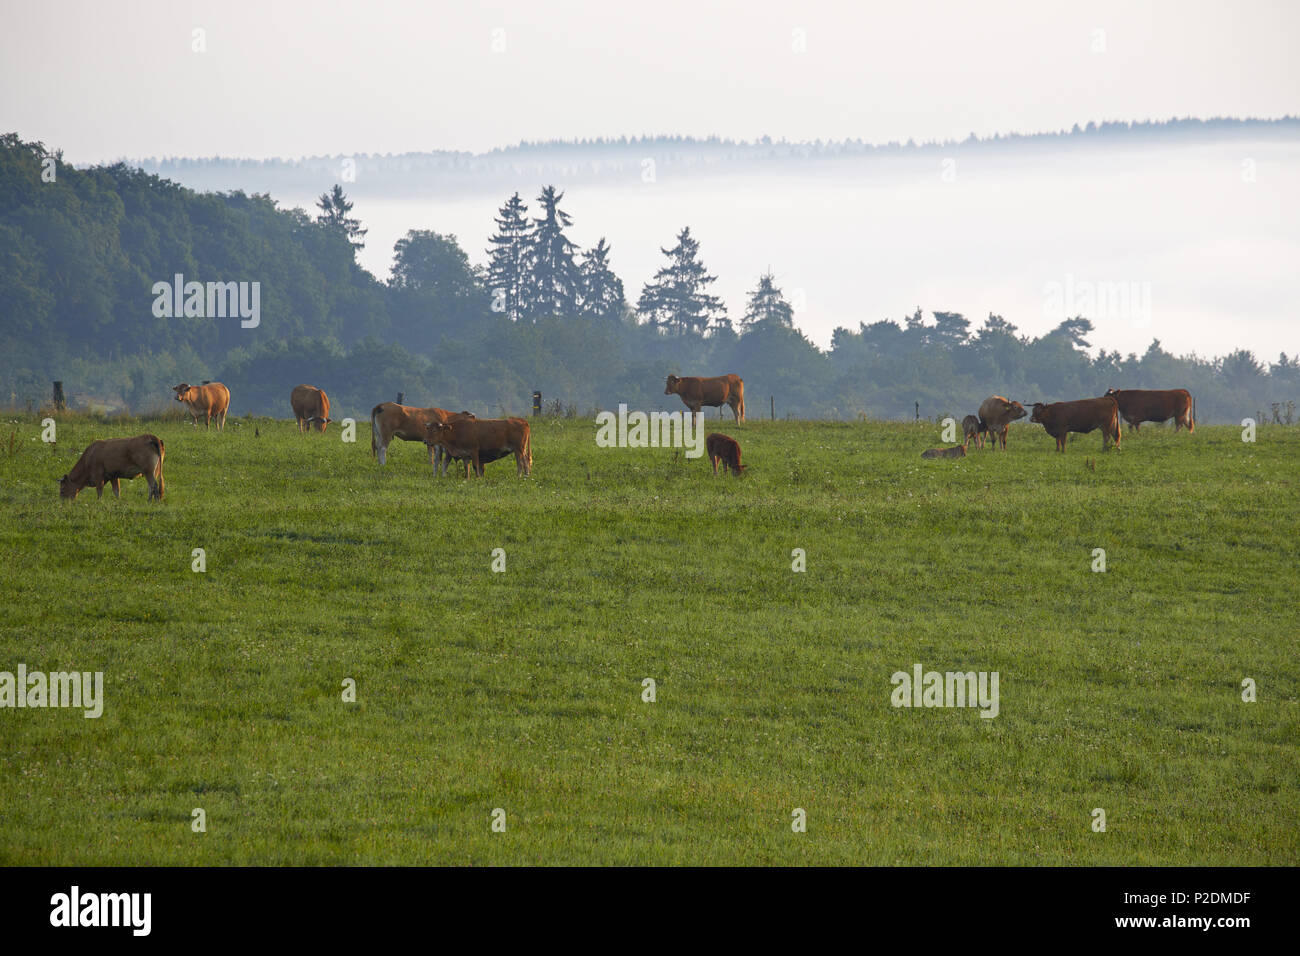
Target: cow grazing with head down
x=714, y=392
x=1138, y=405
x=1081, y=416
x=311, y=406
x=211, y=400
x=973, y=428
x=112, y=459
x=724, y=449
x=479, y=441
x=997, y=414
x=389, y=420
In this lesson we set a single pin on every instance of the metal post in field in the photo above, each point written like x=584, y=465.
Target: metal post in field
x=772, y=399
x=537, y=403
x=918, y=411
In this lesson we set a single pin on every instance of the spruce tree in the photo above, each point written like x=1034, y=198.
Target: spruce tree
x=508, y=258
x=675, y=300
x=768, y=306
x=553, y=282
x=334, y=208
x=602, y=290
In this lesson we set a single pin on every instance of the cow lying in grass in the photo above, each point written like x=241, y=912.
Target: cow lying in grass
x=956, y=451
x=724, y=449
x=112, y=459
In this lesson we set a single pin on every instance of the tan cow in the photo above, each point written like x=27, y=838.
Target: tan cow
x=310, y=405
x=714, y=392
x=997, y=414
x=724, y=450
x=483, y=440
x=211, y=400
x=388, y=420
x=112, y=459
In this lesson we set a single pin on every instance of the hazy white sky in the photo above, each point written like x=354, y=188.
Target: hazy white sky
x=104, y=79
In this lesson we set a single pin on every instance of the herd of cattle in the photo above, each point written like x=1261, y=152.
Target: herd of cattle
x=474, y=442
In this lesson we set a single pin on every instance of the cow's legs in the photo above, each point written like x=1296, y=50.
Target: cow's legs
x=381, y=450
x=117, y=487
x=714, y=459
x=99, y=490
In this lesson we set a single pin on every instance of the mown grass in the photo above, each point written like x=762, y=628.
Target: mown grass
x=522, y=690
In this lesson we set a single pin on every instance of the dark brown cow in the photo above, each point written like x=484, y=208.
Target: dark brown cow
x=483, y=440
x=211, y=400
x=388, y=420
x=1138, y=405
x=714, y=392
x=1081, y=416
x=112, y=459
x=725, y=449
x=310, y=406
x=997, y=414
x=953, y=451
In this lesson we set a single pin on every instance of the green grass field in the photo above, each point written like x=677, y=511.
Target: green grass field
x=522, y=690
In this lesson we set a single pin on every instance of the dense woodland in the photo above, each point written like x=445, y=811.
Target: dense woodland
x=80, y=252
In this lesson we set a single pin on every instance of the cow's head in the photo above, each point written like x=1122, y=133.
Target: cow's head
x=1015, y=410
x=67, y=489
x=182, y=392
x=1039, y=409
x=1112, y=393
x=435, y=433
x=320, y=422
x=670, y=386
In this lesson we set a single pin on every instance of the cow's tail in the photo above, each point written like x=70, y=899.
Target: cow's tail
x=374, y=427
x=158, y=472
x=528, y=450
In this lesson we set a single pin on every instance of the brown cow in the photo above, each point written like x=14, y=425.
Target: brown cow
x=1082, y=416
x=725, y=449
x=973, y=427
x=112, y=459
x=954, y=451
x=388, y=420
x=211, y=400
x=997, y=414
x=310, y=404
x=484, y=440
x=1138, y=405
x=714, y=392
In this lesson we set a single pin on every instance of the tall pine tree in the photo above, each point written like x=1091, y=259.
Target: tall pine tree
x=676, y=300
x=334, y=208
x=508, y=258
x=768, y=306
x=602, y=290
x=554, y=285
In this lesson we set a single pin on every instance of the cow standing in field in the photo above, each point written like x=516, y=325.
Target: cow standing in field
x=310, y=406
x=973, y=428
x=714, y=392
x=388, y=420
x=725, y=449
x=211, y=400
x=480, y=441
x=1082, y=416
x=997, y=414
x=112, y=459
x=1138, y=405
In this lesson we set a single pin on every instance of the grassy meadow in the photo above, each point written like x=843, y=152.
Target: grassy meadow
x=522, y=690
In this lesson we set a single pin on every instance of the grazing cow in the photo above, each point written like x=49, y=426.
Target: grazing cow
x=112, y=459
x=483, y=440
x=954, y=451
x=997, y=414
x=388, y=420
x=1082, y=416
x=972, y=426
x=715, y=392
x=725, y=449
x=310, y=405
x=211, y=400
x=1138, y=405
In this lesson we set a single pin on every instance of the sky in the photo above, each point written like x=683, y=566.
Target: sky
x=130, y=78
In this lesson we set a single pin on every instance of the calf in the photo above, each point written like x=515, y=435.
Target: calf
x=310, y=406
x=389, y=420
x=211, y=400
x=112, y=459
x=483, y=440
x=973, y=427
x=955, y=451
x=1081, y=416
x=1138, y=405
x=725, y=449
x=714, y=392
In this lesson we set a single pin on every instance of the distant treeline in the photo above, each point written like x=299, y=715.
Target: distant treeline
x=82, y=250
